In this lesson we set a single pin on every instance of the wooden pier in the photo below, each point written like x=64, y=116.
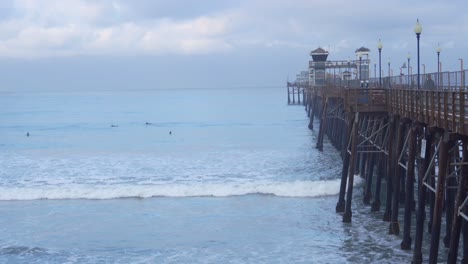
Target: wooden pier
x=416, y=141
x=296, y=89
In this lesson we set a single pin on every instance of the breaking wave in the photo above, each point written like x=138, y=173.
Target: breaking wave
x=281, y=189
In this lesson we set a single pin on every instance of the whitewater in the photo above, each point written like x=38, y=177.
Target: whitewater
x=289, y=189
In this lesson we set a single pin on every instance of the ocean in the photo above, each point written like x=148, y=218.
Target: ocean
x=175, y=176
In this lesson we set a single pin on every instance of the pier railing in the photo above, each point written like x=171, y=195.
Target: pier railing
x=446, y=109
x=365, y=100
x=441, y=81
x=438, y=81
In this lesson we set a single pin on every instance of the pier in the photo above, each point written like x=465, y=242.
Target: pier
x=410, y=139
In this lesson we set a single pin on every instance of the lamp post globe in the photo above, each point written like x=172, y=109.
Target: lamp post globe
x=417, y=27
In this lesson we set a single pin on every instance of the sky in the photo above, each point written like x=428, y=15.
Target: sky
x=152, y=44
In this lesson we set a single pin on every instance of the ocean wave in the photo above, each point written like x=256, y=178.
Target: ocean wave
x=22, y=250
x=282, y=189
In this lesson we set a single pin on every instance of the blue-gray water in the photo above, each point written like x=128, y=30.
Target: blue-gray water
x=237, y=181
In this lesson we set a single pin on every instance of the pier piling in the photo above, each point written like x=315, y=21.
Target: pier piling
x=422, y=191
x=406, y=243
x=349, y=195
x=340, y=206
x=460, y=197
x=390, y=169
x=394, y=227
x=323, y=124
x=439, y=199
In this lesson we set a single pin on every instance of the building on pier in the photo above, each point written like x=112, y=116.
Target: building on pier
x=317, y=67
x=346, y=76
x=362, y=56
x=323, y=72
x=302, y=78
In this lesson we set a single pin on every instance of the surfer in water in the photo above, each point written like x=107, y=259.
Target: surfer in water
x=170, y=132
x=27, y=134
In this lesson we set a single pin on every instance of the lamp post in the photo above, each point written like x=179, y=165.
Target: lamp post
x=334, y=74
x=438, y=67
x=389, y=67
x=389, y=73
x=418, y=30
x=409, y=78
x=462, y=75
x=375, y=72
x=348, y=69
x=401, y=74
x=379, y=47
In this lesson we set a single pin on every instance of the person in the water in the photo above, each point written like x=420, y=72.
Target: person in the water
x=170, y=132
x=27, y=134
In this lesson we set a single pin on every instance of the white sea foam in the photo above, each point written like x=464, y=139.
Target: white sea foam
x=283, y=189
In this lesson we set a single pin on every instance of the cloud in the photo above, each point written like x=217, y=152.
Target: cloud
x=77, y=27
x=56, y=12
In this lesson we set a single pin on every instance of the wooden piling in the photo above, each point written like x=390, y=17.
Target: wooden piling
x=439, y=199
x=450, y=193
x=293, y=95
x=335, y=132
x=340, y=206
x=390, y=168
x=304, y=98
x=422, y=191
x=394, y=228
x=345, y=136
x=341, y=128
x=314, y=107
x=369, y=175
x=431, y=194
x=465, y=237
x=460, y=197
x=375, y=207
x=361, y=155
x=369, y=167
x=323, y=124
x=406, y=243
x=349, y=195
x=378, y=185
x=298, y=95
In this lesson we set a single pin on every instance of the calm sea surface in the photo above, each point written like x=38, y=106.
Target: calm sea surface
x=174, y=176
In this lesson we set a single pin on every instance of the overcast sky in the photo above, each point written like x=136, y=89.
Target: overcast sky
x=150, y=44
